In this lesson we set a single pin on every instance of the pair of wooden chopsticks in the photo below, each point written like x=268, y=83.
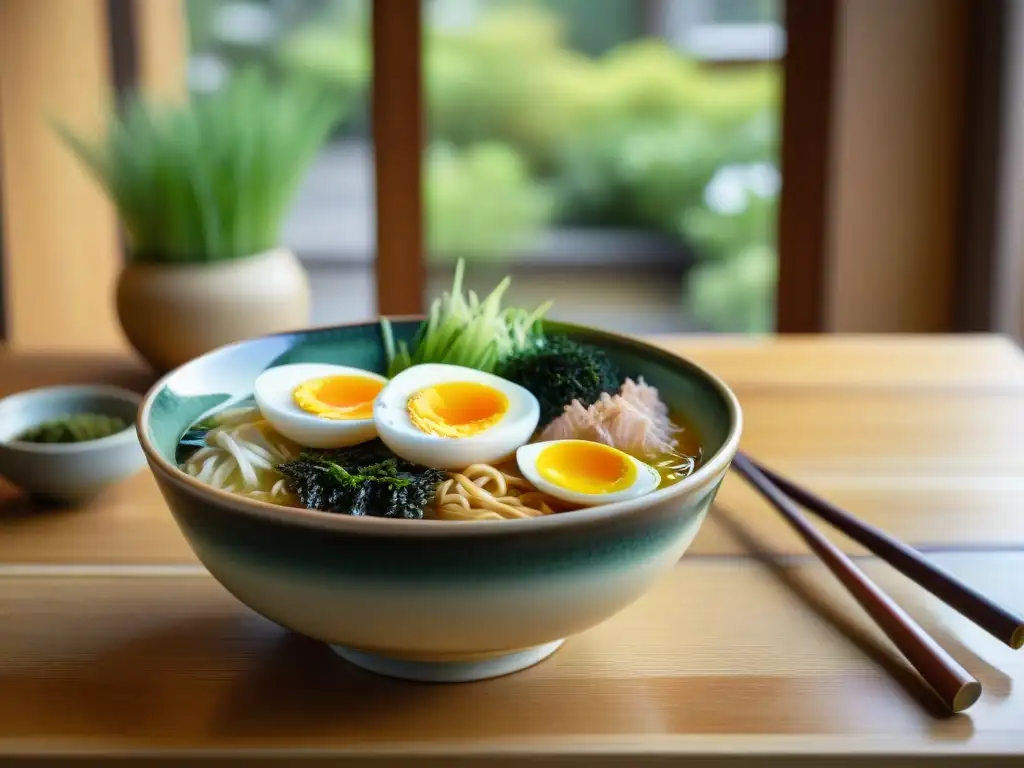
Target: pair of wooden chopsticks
x=954, y=685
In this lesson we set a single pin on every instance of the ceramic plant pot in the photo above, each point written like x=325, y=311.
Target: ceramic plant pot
x=432, y=600
x=174, y=313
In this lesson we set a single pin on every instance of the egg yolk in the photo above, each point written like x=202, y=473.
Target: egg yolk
x=584, y=467
x=457, y=408
x=338, y=397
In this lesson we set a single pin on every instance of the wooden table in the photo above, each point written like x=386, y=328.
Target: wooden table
x=113, y=640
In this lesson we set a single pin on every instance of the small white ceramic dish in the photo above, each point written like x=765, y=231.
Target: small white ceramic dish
x=68, y=473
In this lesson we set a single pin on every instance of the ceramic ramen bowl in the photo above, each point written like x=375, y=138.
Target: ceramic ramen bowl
x=432, y=600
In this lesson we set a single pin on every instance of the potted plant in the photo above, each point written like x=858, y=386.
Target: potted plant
x=201, y=189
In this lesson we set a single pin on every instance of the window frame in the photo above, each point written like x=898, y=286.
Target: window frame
x=60, y=247
x=397, y=93
x=802, y=258
x=817, y=104
x=712, y=41
x=990, y=259
x=801, y=293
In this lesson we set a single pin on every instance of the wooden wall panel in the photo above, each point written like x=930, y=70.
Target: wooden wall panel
x=60, y=234
x=889, y=210
x=990, y=276
x=895, y=172
x=162, y=47
x=872, y=165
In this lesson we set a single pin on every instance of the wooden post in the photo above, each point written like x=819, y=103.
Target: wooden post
x=61, y=249
x=871, y=165
x=801, y=299
x=897, y=165
x=398, y=117
x=61, y=255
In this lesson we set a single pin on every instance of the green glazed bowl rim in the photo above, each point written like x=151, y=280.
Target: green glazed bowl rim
x=711, y=469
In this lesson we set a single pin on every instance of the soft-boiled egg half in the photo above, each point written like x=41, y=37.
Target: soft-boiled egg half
x=449, y=417
x=584, y=472
x=319, y=405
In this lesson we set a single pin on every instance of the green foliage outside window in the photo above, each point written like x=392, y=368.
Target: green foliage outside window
x=491, y=180
x=531, y=132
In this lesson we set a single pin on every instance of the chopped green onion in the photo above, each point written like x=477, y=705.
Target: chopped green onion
x=466, y=331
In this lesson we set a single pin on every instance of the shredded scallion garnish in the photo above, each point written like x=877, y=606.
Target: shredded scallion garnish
x=463, y=330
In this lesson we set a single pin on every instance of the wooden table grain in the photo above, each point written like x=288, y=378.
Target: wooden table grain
x=114, y=640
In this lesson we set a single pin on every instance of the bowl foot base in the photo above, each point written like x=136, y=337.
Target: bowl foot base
x=448, y=671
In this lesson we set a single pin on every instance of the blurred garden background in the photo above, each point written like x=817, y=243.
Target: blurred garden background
x=618, y=156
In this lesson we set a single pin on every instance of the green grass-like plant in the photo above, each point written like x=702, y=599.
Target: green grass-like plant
x=212, y=178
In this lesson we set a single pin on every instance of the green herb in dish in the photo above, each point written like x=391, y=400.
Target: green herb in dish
x=558, y=370
x=365, y=480
x=462, y=330
x=74, y=428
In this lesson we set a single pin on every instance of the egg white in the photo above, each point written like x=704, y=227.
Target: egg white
x=396, y=430
x=273, y=393
x=647, y=478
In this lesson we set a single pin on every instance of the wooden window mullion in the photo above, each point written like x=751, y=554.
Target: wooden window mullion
x=398, y=135
x=807, y=107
